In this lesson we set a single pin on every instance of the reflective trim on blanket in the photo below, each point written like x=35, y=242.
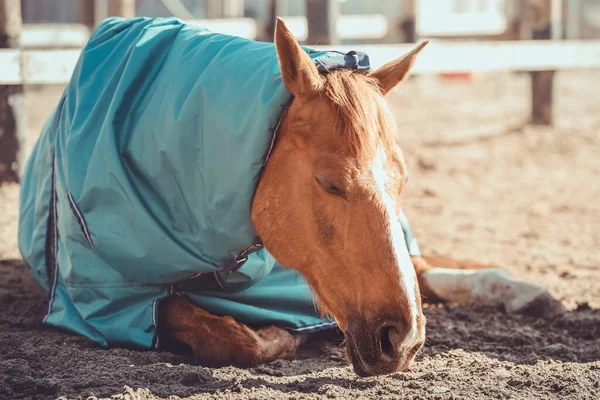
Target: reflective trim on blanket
x=80, y=219
x=314, y=328
x=52, y=242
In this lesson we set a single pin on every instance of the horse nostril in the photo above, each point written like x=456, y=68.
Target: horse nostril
x=387, y=336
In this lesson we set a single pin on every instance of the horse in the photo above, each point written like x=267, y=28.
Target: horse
x=326, y=206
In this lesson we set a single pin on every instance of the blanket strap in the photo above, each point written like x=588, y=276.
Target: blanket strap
x=213, y=280
x=233, y=264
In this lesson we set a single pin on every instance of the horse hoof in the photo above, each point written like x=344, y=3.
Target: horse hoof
x=495, y=286
x=543, y=306
x=532, y=299
x=277, y=343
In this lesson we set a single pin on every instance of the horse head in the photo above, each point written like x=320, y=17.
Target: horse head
x=328, y=204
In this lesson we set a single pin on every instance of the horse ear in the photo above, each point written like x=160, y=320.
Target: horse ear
x=299, y=73
x=394, y=72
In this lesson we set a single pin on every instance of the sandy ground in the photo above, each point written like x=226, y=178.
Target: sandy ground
x=483, y=185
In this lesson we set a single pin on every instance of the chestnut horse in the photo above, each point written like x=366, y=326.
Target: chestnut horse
x=327, y=205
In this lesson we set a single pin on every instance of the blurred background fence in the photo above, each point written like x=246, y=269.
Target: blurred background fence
x=385, y=20
x=40, y=41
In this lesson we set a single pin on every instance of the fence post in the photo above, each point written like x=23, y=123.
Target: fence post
x=13, y=121
x=409, y=21
x=122, y=8
x=269, y=34
x=542, y=82
x=321, y=19
x=93, y=12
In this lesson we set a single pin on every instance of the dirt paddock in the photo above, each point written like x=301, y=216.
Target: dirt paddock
x=483, y=185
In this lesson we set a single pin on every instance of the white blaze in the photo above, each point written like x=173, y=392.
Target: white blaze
x=408, y=277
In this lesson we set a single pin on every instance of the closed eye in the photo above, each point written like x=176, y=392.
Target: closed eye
x=330, y=188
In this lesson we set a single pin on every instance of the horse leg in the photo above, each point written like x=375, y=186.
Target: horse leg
x=442, y=279
x=221, y=341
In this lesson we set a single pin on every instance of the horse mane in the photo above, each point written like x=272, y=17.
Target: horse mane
x=363, y=117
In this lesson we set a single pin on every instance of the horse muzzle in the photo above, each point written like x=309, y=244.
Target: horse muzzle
x=384, y=347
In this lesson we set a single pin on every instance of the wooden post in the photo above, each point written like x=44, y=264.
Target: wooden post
x=86, y=13
x=269, y=33
x=409, y=21
x=524, y=10
x=122, y=8
x=92, y=12
x=542, y=82
x=321, y=19
x=13, y=121
x=394, y=14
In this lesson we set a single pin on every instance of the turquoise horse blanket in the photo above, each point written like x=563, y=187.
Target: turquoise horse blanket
x=141, y=183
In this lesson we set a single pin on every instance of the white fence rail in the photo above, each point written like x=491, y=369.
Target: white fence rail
x=54, y=35
x=489, y=56
x=34, y=67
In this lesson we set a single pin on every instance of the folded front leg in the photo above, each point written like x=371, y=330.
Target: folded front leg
x=220, y=341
